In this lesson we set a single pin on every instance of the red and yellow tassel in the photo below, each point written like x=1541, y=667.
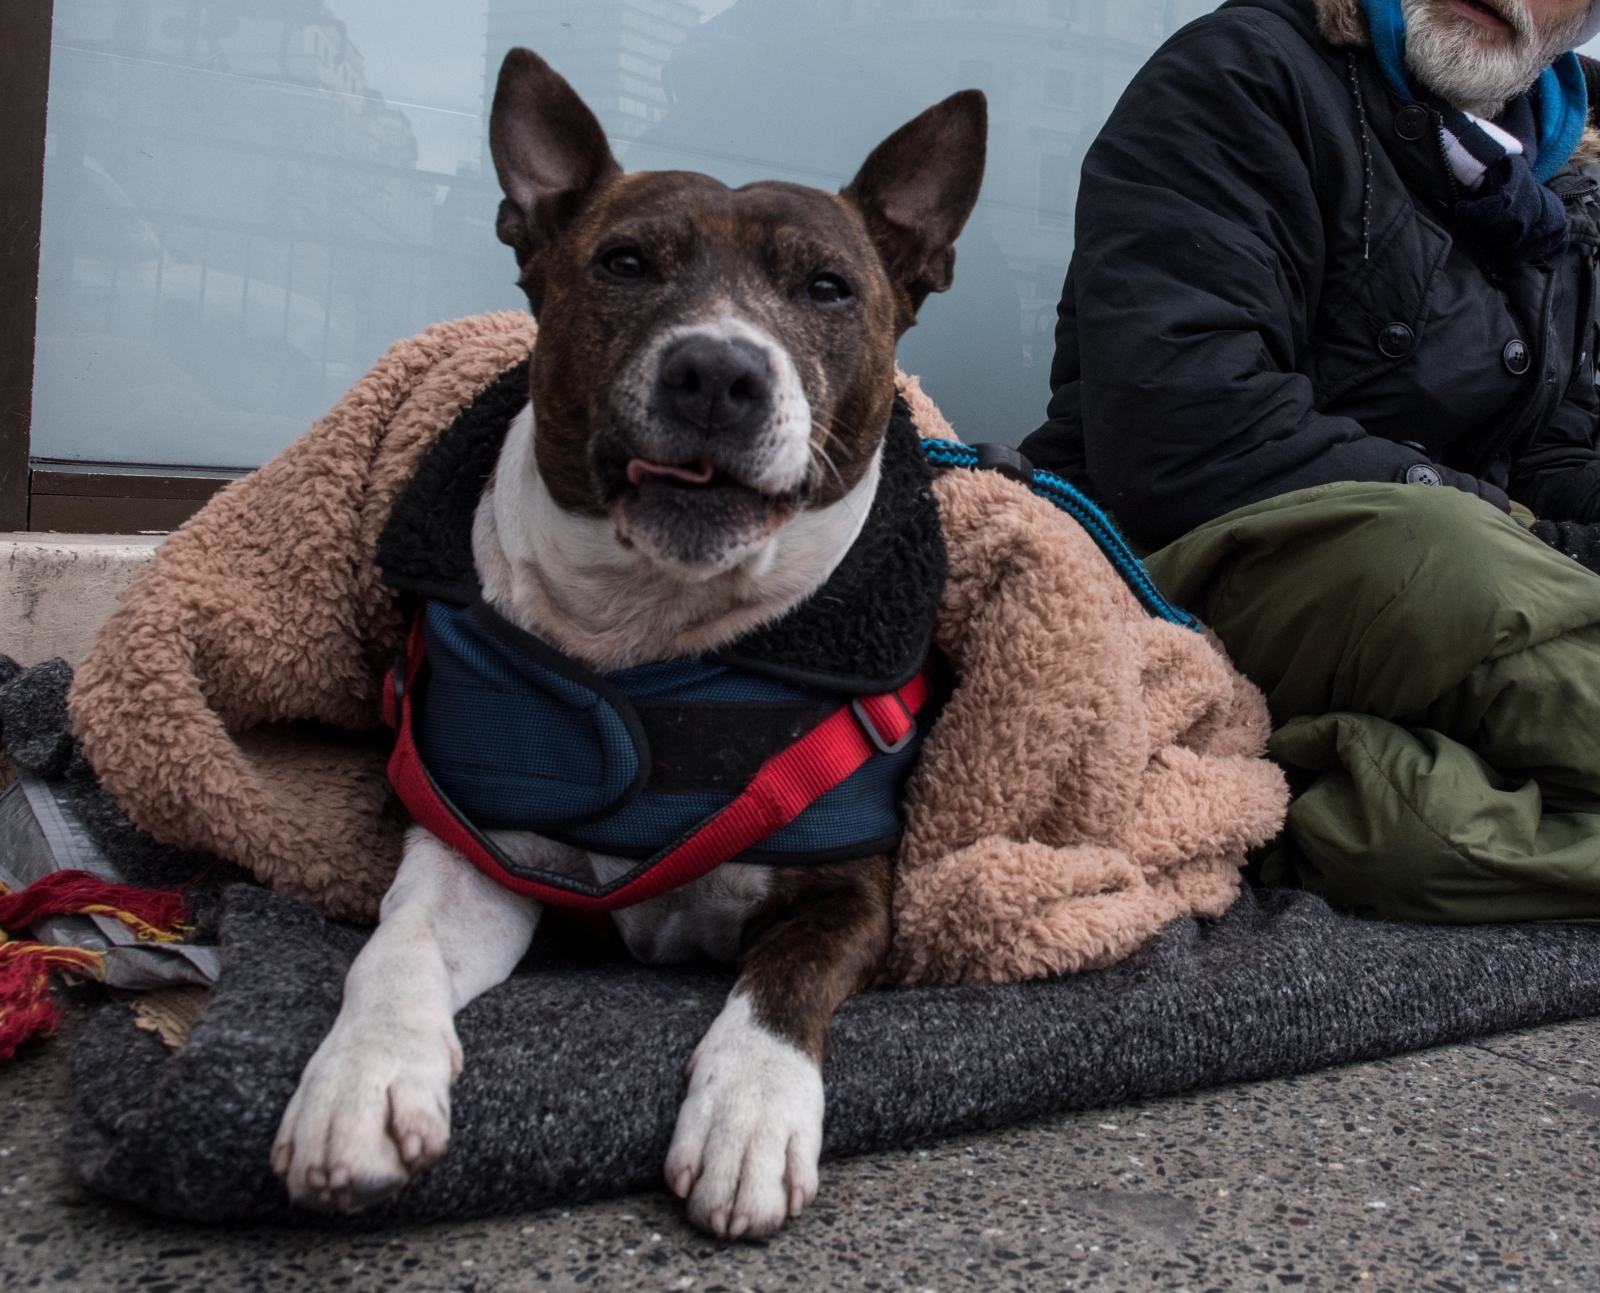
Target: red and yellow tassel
x=26, y=1007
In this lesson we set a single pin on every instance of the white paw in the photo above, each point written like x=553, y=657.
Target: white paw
x=372, y=1109
x=745, y=1150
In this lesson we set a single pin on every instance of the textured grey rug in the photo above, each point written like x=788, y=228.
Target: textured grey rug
x=574, y=1073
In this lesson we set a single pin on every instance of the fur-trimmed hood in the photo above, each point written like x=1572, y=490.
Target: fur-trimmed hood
x=1343, y=23
x=1095, y=773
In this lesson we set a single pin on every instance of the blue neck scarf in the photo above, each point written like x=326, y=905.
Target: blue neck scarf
x=1560, y=98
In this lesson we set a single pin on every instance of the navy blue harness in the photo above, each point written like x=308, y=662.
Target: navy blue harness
x=519, y=736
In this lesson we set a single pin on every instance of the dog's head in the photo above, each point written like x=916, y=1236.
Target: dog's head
x=714, y=361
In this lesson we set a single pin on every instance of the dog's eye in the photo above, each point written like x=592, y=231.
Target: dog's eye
x=624, y=262
x=828, y=289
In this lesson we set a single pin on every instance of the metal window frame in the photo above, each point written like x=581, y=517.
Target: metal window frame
x=24, y=90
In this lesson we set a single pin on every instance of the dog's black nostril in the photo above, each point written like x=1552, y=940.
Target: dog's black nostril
x=715, y=384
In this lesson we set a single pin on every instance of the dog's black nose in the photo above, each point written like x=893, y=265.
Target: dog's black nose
x=715, y=384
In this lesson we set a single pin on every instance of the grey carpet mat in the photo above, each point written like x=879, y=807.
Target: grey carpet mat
x=573, y=1073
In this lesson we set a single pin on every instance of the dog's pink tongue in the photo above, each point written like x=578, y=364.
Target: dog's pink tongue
x=699, y=474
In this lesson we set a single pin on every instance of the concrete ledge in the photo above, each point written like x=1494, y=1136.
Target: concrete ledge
x=57, y=589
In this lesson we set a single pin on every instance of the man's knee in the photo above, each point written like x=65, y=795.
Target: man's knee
x=1442, y=515
x=1347, y=537
x=1355, y=549
x=1373, y=597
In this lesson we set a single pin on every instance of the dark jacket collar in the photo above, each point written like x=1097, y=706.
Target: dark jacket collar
x=867, y=629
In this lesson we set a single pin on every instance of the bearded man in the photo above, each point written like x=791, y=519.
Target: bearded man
x=1328, y=343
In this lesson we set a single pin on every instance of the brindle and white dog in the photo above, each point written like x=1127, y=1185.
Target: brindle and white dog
x=710, y=391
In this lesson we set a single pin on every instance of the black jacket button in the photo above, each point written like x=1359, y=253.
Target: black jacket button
x=1420, y=473
x=1411, y=122
x=1395, y=341
x=1516, y=358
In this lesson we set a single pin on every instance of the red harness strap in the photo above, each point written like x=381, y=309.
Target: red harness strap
x=786, y=784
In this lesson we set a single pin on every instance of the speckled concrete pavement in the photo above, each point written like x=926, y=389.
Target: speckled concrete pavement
x=1460, y=1169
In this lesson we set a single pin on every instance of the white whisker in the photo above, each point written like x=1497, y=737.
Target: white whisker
x=818, y=452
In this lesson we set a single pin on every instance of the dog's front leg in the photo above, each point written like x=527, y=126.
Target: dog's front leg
x=745, y=1149
x=373, y=1105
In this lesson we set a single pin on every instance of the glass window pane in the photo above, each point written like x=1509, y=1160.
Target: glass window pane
x=246, y=201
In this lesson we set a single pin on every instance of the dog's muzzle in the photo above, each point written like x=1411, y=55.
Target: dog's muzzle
x=720, y=458
x=713, y=389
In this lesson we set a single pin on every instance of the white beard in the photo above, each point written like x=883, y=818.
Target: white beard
x=1448, y=54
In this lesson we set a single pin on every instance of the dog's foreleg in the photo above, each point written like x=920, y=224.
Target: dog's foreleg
x=373, y=1105
x=745, y=1149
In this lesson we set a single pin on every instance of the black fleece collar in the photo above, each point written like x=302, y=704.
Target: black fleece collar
x=868, y=629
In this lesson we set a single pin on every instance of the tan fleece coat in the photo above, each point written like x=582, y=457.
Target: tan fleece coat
x=1096, y=773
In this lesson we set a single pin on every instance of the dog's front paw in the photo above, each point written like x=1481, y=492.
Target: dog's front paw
x=372, y=1110
x=745, y=1150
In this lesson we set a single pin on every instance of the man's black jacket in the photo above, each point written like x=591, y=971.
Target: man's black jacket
x=1242, y=319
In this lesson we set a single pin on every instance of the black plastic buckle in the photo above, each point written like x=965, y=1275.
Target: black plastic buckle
x=1005, y=460
x=398, y=673
x=876, y=737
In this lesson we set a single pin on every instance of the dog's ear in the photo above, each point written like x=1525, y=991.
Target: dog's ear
x=917, y=190
x=551, y=155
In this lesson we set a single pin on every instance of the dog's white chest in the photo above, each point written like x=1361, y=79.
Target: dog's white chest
x=703, y=920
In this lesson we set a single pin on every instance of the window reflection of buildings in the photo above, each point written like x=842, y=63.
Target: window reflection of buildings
x=234, y=223
x=1052, y=71
x=612, y=51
